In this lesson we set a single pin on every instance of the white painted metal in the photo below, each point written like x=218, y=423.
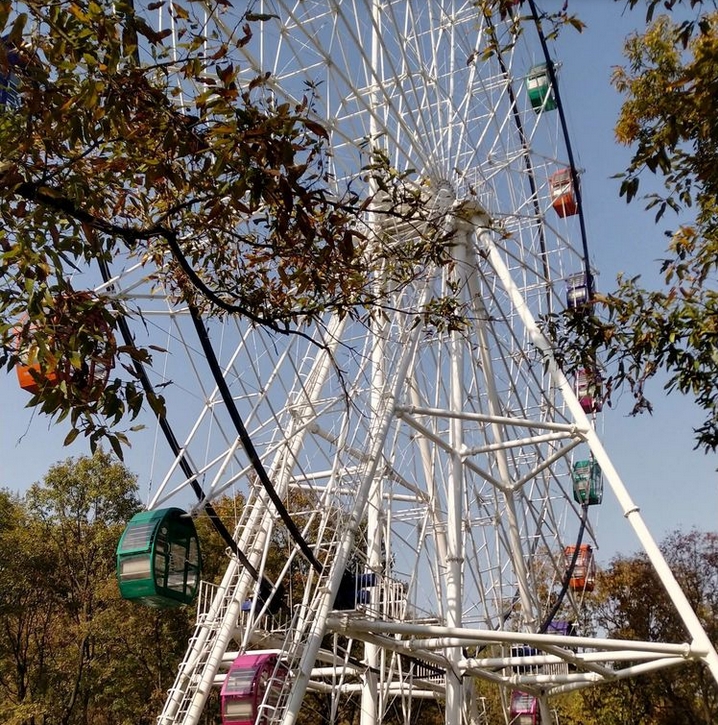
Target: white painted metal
x=437, y=457
x=373, y=684
x=630, y=510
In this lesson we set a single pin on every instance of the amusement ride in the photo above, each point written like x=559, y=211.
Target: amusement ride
x=432, y=477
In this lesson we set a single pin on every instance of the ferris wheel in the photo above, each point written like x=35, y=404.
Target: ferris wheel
x=435, y=472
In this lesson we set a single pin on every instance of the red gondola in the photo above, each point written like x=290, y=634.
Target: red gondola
x=563, y=193
x=583, y=576
x=524, y=709
x=251, y=689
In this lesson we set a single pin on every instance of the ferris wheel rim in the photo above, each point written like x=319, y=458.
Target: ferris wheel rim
x=548, y=281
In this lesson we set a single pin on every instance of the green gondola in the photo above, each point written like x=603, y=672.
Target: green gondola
x=538, y=86
x=587, y=482
x=158, y=561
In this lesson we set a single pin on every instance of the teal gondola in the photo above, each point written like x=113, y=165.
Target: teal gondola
x=587, y=482
x=538, y=86
x=158, y=559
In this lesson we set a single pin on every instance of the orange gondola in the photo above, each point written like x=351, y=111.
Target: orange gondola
x=38, y=368
x=583, y=575
x=30, y=375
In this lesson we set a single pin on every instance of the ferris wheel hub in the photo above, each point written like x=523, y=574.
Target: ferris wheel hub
x=470, y=215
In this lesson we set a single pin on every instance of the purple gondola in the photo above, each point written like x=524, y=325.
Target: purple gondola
x=580, y=289
x=562, y=628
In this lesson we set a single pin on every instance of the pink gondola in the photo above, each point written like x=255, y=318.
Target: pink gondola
x=589, y=390
x=524, y=709
x=252, y=688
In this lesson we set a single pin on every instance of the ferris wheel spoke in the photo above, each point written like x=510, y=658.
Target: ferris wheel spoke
x=426, y=459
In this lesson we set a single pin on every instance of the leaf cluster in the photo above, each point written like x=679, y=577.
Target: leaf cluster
x=516, y=13
x=669, y=120
x=164, y=148
x=72, y=651
x=632, y=603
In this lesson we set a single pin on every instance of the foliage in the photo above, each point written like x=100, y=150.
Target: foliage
x=516, y=12
x=165, y=148
x=669, y=120
x=123, y=142
x=632, y=603
x=212, y=546
x=27, y=609
x=72, y=651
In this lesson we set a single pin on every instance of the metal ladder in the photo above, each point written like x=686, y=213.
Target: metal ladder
x=214, y=628
x=217, y=626
x=193, y=667
x=294, y=644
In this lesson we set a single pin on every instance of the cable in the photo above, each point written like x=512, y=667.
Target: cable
x=265, y=585
x=567, y=140
x=528, y=164
x=569, y=573
x=246, y=441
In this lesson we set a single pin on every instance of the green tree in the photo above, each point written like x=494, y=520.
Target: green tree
x=632, y=603
x=136, y=654
x=72, y=652
x=28, y=609
x=669, y=120
x=80, y=510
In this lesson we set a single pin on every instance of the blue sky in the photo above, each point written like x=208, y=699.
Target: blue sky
x=674, y=485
